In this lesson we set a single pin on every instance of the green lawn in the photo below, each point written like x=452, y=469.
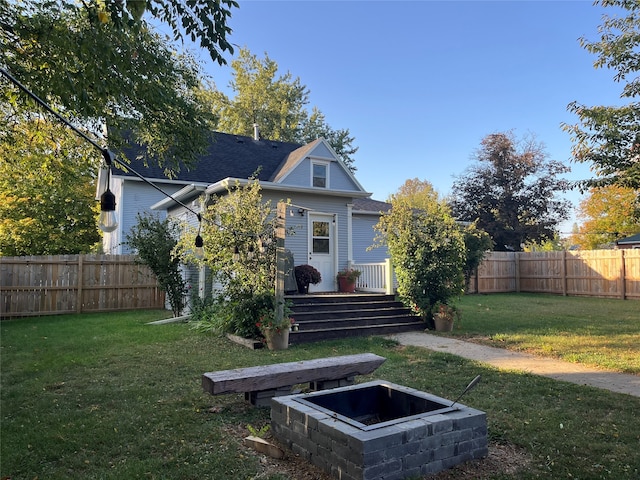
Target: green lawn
x=104, y=396
x=592, y=331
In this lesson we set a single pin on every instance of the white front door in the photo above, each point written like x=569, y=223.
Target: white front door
x=322, y=251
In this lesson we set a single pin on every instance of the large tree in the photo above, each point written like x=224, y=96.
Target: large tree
x=608, y=138
x=98, y=62
x=607, y=214
x=47, y=191
x=277, y=104
x=419, y=194
x=512, y=191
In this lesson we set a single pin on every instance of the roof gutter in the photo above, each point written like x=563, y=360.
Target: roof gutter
x=223, y=185
x=183, y=195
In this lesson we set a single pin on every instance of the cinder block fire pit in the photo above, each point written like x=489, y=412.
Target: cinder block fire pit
x=378, y=430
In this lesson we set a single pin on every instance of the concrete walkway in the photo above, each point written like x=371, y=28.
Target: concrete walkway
x=508, y=360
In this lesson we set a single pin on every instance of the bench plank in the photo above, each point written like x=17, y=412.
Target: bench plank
x=278, y=375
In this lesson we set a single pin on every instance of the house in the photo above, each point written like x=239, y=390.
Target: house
x=629, y=242
x=332, y=214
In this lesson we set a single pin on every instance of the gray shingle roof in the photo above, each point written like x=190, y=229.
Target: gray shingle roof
x=233, y=156
x=370, y=205
x=632, y=239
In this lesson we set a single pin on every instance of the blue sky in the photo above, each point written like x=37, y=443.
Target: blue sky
x=420, y=83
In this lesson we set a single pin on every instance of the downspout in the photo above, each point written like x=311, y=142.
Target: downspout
x=336, y=242
x=349, y=233
x=202, y=273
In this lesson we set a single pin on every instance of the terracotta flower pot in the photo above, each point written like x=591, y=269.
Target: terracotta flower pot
x=345, y=285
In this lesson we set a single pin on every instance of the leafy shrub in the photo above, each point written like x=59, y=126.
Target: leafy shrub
x=154, y=241
x=206, y=314
x=428, y=254
x=245, y=313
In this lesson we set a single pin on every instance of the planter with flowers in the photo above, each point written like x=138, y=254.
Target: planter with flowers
x=305, y=275
x=276, y=333
x=444, y=316
x=347, y=278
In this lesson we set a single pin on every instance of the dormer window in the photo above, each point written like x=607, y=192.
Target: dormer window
x=319, y=174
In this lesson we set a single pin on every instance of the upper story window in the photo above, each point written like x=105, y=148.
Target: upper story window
x=320, y=175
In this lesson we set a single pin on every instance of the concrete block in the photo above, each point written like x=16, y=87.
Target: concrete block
x=417, y=460
x=444, y=451
x=382, y=470
x=432, y=467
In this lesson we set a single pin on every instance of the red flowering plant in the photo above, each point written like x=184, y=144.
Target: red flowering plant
x=446, y=311
x=268, y=322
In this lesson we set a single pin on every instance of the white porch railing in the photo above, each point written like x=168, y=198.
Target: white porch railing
x=375, y=277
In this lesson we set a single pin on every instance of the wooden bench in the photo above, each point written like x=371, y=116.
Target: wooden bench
x=261, y=383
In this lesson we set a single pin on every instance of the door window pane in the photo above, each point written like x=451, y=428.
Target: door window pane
x=320, y=229
x=320, y=242
x=320, y=245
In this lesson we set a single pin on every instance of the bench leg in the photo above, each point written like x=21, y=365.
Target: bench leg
x=327, y=384
x=262, y=398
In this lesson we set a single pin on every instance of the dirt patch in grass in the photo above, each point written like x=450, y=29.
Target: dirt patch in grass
x=503, y=459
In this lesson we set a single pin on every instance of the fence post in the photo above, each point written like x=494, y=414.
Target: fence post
x=564, y=273
x=623, y=274
x=388, y=281
x=477, y=278
x=80, y=281
x=516, y=257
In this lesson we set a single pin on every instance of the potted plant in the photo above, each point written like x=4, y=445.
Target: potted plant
x=276, y=332
x=444, y=316
x=347, y=278
x=305, y=275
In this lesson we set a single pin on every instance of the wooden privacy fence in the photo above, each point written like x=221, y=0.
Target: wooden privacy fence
x=48, y=285
x=595, y=273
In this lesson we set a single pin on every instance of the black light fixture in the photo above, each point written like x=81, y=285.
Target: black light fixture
x=199, y=242
x=199, y=246
x=107, y=221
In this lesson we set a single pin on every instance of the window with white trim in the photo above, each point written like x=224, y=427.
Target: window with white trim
x=319, y=175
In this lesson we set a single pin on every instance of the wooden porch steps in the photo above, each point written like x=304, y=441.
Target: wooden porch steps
x=331, y=316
